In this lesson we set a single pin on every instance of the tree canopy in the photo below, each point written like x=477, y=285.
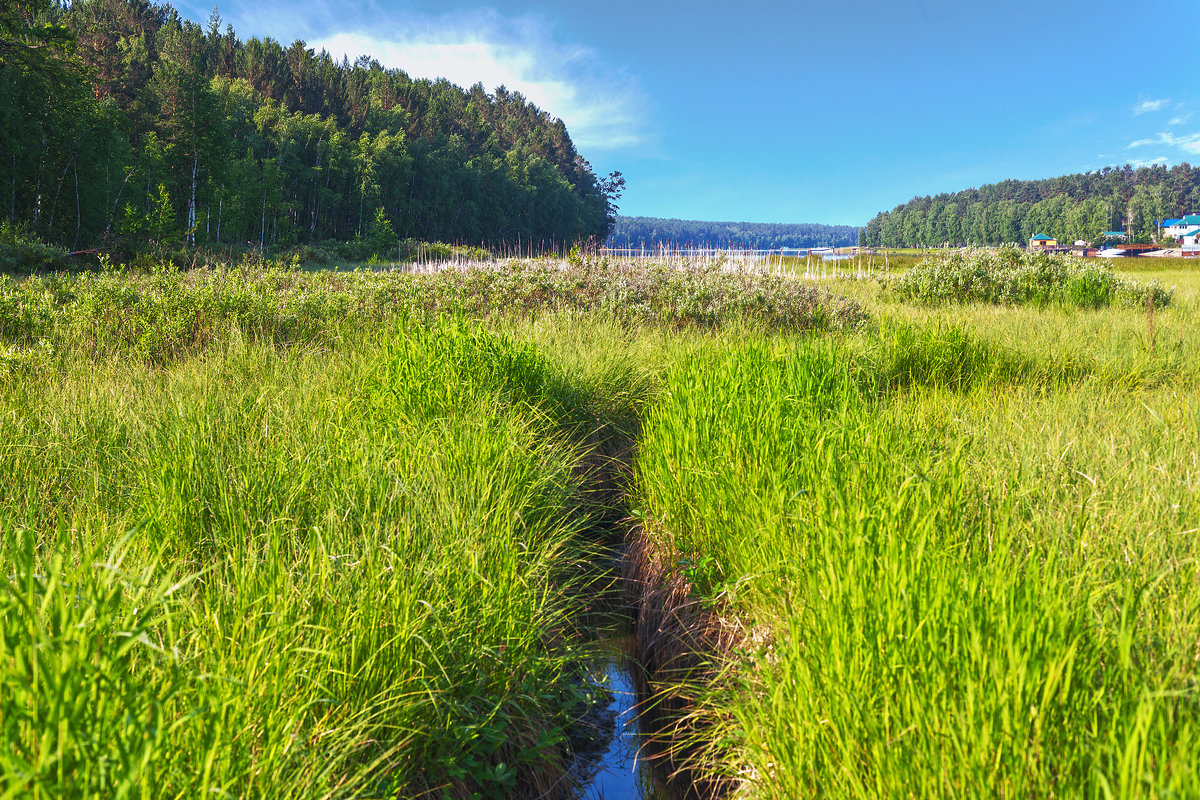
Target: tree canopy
x=122, y=119
x=1068, y=208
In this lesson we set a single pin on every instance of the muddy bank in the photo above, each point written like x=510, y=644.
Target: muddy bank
x=678, y=643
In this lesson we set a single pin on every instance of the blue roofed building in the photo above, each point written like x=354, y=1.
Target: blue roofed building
x=1178, y=227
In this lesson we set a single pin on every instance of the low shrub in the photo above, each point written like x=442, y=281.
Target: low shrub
x=22, y=253
x=361, y=251
x=1011, y=277
x=166, y=313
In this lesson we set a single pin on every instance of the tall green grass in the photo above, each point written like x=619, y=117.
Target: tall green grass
x=300, y=574
x=922, y=615
x=275, y=533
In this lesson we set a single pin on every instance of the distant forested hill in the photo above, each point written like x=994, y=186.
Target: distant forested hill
x=650, y=231
x=122, y=119
x=1069, y=208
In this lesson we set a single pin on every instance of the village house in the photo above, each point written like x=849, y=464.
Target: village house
x=1191, y=239
x=1040, y=241
x=1176, y=228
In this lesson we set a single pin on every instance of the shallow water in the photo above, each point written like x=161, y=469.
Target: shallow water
x=621, y=770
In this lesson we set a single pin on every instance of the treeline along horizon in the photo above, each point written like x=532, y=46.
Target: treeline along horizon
x=1069, y=208
x=649, y=232
x=123, y=120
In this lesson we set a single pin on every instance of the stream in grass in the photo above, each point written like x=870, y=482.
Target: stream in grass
x=617, y=763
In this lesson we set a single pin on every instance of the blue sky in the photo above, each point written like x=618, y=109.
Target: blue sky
x=798, y=112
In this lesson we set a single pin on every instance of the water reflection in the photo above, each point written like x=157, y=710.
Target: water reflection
x=620, y=769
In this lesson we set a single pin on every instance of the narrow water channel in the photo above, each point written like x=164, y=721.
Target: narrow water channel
x=617, y=765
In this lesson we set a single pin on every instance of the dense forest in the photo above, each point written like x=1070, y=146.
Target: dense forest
x=122, y=121
x=1069, y=208
x=649, y=232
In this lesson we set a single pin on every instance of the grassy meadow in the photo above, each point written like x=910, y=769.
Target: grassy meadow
x=274, y=532
x=337, y=573
x=959, y=549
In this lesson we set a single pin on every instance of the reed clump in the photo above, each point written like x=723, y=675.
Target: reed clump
x=165, y=314
x=1007, y=276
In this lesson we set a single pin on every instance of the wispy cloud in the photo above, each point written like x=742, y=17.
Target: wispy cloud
x=1188, y=142
x=602, y=107
x=1146, y=106
x=1138, y=164
x=1181, y=119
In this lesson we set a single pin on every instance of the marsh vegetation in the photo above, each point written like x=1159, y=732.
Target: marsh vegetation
x=272, y=532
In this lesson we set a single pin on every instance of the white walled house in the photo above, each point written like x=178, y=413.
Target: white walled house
x=1191, y=243
x=1178, y=227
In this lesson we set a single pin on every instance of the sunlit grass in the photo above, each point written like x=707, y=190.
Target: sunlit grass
x=276, y=533
x=338, y=573
x=960, y=547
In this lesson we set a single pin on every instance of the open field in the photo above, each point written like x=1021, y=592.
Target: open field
x=280, y=533
x=314, y=534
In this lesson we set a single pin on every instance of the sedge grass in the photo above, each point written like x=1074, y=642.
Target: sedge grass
x=292, y=573
x=287, y=540
x=974, y=577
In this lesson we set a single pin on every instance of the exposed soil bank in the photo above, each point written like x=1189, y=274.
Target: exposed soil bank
x=676, y=641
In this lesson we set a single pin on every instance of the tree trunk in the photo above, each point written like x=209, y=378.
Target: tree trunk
x=112, y=211
x=78, y=216
x=37, y=194
x=191, y=218
x=57, y=190
x=316, y=206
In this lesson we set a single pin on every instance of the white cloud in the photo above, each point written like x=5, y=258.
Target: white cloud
x=1139, y=164
x=1188, y=142
x=601, y=107
x=1145, y=106
x=1180, y=119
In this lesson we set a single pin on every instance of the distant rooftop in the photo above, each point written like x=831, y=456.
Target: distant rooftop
x=1113, y=233
x=1041, y=237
